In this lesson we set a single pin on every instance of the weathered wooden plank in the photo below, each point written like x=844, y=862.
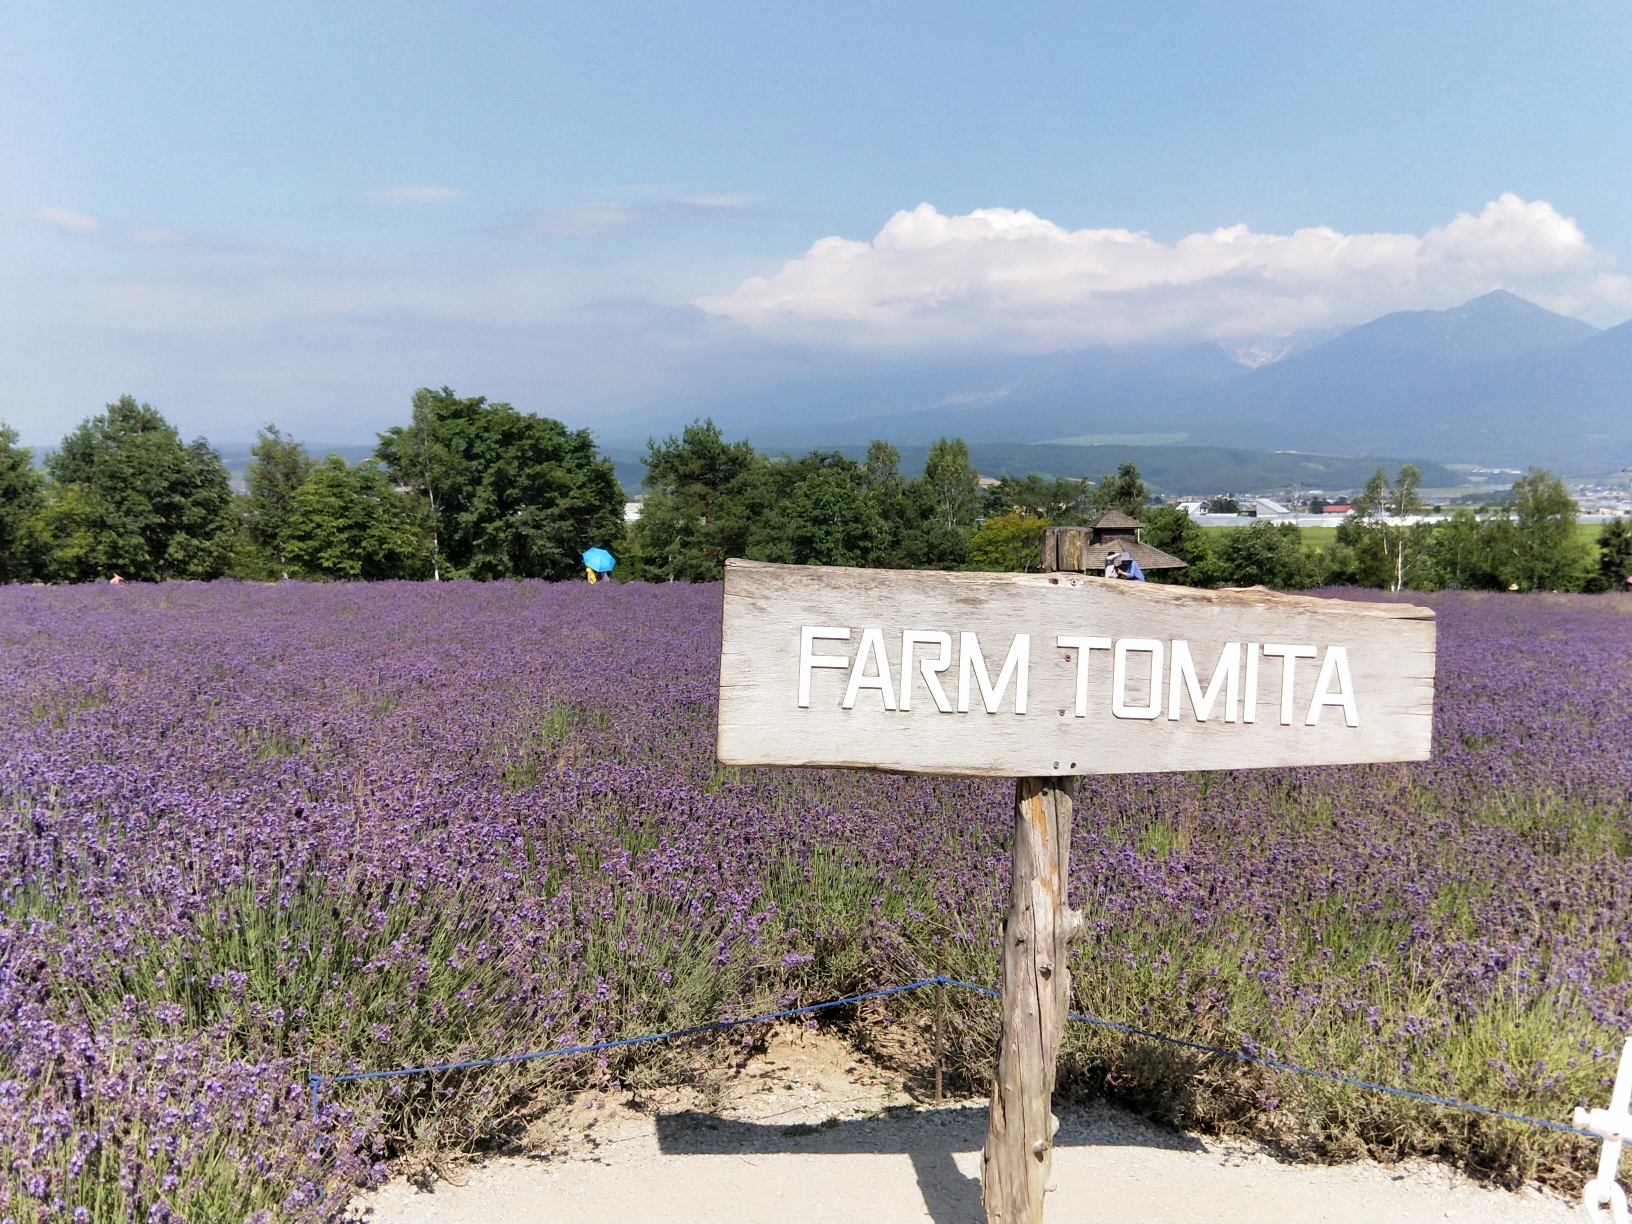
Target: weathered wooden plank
x=1098, y=716
x=1037, y=935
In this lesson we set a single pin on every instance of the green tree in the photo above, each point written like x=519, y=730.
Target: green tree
x=881, y=472
x=1371, y=501
x=1614, y=556
x=1172, y=530
x=65, y=530
x=695, y=512
x=1469, y=553
x=349, y=523
x=1267, y=554
x=421, y=457
x=278, y=466
x=1379, y=553
x=1060, y=501
x=1125, y=491
x=1402, y=497
x=21, y=497
x=953, y=482
x=1545, y=552
x=144, y=505
x=1011, y=541
x=507, y=494
x=814, y=511
x=915, y=534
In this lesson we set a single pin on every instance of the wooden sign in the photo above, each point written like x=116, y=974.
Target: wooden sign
x=1019, y=675
x=1045, y=676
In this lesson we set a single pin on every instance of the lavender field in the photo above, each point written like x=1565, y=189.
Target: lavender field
x=254, y=831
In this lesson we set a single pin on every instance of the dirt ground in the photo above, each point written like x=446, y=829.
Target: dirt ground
x=810, y=1133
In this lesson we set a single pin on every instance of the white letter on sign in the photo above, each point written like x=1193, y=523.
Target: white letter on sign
x=1082, y=645
x=1017, y=664
x=1289, y=656
x=872, y=647
x=1335, y=663
x=925, y=637
x=1119, y=678
x=1228, y=672
x=807, y=635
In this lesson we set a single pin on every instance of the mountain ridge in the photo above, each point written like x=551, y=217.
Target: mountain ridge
x=1496, y=381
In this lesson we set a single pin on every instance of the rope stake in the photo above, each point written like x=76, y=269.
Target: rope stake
x=1613, y=1126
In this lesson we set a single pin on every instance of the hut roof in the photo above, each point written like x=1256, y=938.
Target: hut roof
x=1114, y=518
x=1149, y=558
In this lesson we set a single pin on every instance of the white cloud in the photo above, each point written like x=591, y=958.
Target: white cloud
x=418, y=193
x=66, y=220
x=1008, y=278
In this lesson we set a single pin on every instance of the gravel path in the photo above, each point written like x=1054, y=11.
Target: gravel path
x=810, y=1134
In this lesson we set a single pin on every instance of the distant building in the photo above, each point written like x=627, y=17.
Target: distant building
x=1337, y=509
x=631, y=510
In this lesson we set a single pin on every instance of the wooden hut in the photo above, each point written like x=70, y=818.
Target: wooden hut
x=1084, y=550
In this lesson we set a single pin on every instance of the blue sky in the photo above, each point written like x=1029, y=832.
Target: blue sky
x=298, y=213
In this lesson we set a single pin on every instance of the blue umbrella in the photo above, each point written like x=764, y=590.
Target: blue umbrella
x=599, y=560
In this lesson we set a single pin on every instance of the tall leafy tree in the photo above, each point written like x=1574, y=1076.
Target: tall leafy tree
x=1012, y=541
x=146, y=506
x=1172, y=530
x=421, y=457
x=954, y=483
x=509, y=494
x=816, y=510
x=915, y=535
x=1267, y=554
x=1124, y=491
x=1545, y=552
x=1402, y=496
x=1471, y=553
x=695, y=513
x=21, y=496
x=349, y=523
x=278, y=466
x=1383, y=554
x=1614, y=556
x=1060, y=501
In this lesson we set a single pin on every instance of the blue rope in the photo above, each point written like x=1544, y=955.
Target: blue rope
x=715, y=1026
x=317, y=1081
x=1286, y=1066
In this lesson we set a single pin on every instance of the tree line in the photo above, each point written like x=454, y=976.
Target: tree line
x=473, y=489
x=1527, y=541
x=708, y=499
x=467, y=488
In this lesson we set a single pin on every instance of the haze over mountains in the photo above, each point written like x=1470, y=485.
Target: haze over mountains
x=1497, y=381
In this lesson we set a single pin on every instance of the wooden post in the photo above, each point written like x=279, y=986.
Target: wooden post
x=1037, y=935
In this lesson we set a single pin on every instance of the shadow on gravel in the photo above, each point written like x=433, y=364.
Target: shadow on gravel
x=929, y=1137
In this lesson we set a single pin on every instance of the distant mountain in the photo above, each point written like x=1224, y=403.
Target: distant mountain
x=914, y=400
x=1409, y=343
x=1497, y=381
